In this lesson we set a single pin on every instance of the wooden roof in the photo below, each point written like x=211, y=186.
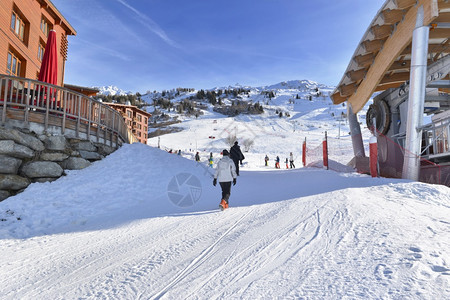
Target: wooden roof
x=383, y=57
x=48, y=4
x=132, y=107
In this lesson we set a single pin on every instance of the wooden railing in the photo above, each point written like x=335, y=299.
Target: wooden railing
x=31, y=101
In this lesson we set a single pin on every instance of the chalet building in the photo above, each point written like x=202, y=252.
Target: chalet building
x=87, y=91
x=24, y=28
x=135, y=118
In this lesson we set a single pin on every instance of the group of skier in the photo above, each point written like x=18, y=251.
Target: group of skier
x=289, y=162
x=227, y=169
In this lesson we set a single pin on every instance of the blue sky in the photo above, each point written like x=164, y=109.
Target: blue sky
x=141, y=45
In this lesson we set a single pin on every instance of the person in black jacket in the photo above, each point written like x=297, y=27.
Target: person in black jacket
x=237, y=156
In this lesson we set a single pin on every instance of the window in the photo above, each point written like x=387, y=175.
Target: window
x=13, y=65
x=41, y=50
x=45, y=26
x=139, y=117
x=18, y=25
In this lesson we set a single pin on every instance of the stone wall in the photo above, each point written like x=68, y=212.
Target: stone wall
x=27, y=157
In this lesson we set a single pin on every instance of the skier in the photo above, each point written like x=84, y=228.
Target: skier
x=225, y=173
x=266, y=160
x=197, y=157
x=277, y=162
x=211, y=160
x=179, y=152
x=236, y=156
x=291, y=160
x=287, y=163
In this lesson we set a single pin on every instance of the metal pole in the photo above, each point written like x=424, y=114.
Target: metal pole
x=355, y=131
x=411, y=163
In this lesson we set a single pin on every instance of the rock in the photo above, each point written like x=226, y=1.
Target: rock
x=38, y=169
x=75, y=163
x=21, y=138
x=53, y=156
x=9, y=165
x=4, y=195
x=104, y=149
x=13, y=182
x=9, y=147
x=90, y=155
x=56, y=142
x=83, y=145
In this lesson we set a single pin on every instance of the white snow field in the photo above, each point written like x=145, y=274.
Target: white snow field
x=144, y=224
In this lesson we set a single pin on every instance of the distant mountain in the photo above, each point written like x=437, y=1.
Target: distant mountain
x=296, y=85
x=300, y=85
x=112, y=91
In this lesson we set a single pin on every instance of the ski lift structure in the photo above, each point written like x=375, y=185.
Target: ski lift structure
x=404, y=56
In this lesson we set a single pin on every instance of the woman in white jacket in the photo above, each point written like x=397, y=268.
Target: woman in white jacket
x=225, y=173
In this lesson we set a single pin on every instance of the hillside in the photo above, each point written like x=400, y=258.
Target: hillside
x=306, y=109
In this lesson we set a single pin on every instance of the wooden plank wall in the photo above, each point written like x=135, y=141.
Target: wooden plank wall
x=32, y=12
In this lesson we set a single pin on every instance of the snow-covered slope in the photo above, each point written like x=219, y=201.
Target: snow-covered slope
x=311, y=115
x=144, y=224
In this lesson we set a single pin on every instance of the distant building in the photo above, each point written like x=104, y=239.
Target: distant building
x=135, y=118
x=90, y=92
x=24, y=28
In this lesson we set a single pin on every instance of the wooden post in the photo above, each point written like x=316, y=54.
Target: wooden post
x=64, y=107
x=112, y=129
x=99, y=116
x=78, y=117
x=4, y=100
x=89, y=119
x=47, y=107
x=27, y=103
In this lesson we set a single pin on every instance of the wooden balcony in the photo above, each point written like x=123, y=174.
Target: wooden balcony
x=52, y=109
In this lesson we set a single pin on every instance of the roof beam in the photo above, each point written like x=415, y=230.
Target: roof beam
x=392, y=48
x=392, y=16
x=439, y=48
x=337, y=98
x=404, y=4
x=373, y=46
x=443, y=17
x=381, y=32
x=396, y=77
x=357, y=75
x=364, y=61
x=347, y=89
x=439, y=33
x=400, y=65
x=384, y=87
x=444, y=4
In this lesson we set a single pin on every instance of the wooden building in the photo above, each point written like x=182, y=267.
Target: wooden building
x=135, y=118
x=24, y=28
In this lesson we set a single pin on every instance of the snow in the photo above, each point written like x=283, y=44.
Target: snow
x=112, y=90
x=144, y=224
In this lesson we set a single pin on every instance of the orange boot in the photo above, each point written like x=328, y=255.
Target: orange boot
x=223, y=204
